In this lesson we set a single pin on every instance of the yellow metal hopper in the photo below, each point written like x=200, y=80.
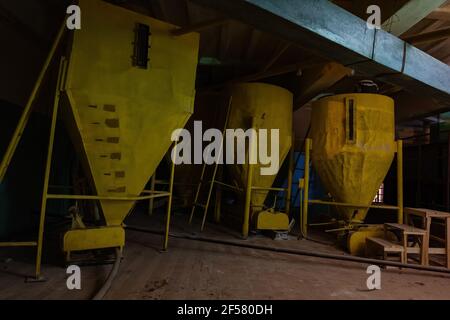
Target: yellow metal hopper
x=124, y=107
x=353, y=147
x=265, y=107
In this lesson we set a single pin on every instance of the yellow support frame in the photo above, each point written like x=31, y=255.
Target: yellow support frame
x=290, y=177
x=304, y=186
x=152, y=201
x=151, y=194
x=169, y=206
x=112, y=233
x=18, y=133
x=250, y=188
x=249, y=185
x=59, y=90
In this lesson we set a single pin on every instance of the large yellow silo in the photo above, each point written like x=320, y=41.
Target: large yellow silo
x=353, y=147
x=123, y=113
x=265, y=107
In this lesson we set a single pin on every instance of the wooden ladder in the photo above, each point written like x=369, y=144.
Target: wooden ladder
x=210, y=184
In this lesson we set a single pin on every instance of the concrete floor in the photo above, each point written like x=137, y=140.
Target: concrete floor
x=196, y=270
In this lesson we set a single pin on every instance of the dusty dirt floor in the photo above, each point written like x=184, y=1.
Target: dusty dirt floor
x=197, y=270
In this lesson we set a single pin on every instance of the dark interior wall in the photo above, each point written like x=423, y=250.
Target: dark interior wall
x=21, y=191
x=425, y=168
x=27, y=30
x=19, y=199
x=425, y=171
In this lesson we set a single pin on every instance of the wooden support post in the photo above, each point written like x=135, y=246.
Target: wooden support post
x=400, y=181
x=290, y=177
x=447, y=242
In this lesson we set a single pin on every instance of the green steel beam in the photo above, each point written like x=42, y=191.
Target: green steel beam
x=329, y=31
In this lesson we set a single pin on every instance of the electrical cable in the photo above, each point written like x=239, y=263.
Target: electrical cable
x=112, y=275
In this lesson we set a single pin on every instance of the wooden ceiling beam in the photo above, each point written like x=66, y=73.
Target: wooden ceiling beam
x=200, y=26
x=440, y=14
x=440, y=34
x=315, y=81
x=281, y=49
x=410, y=14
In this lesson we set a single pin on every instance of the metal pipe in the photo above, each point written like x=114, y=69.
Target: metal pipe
x=400, y=180
x=86, y=197
x=354, y=205
x=156, y=192
x=269, y=189
x=18, y=244
x=229, y=186
x=162, y=182
x=299, y=252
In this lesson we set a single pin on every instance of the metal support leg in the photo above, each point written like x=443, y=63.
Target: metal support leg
x=301, y=184
x=210, y=190
x=169, y=206
x=248, y=198
x=304, y=229
x=289, y=179
x=197, y=194
x=151, y=202
x=218, y=206
x=58, y=92
x=248, y=192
